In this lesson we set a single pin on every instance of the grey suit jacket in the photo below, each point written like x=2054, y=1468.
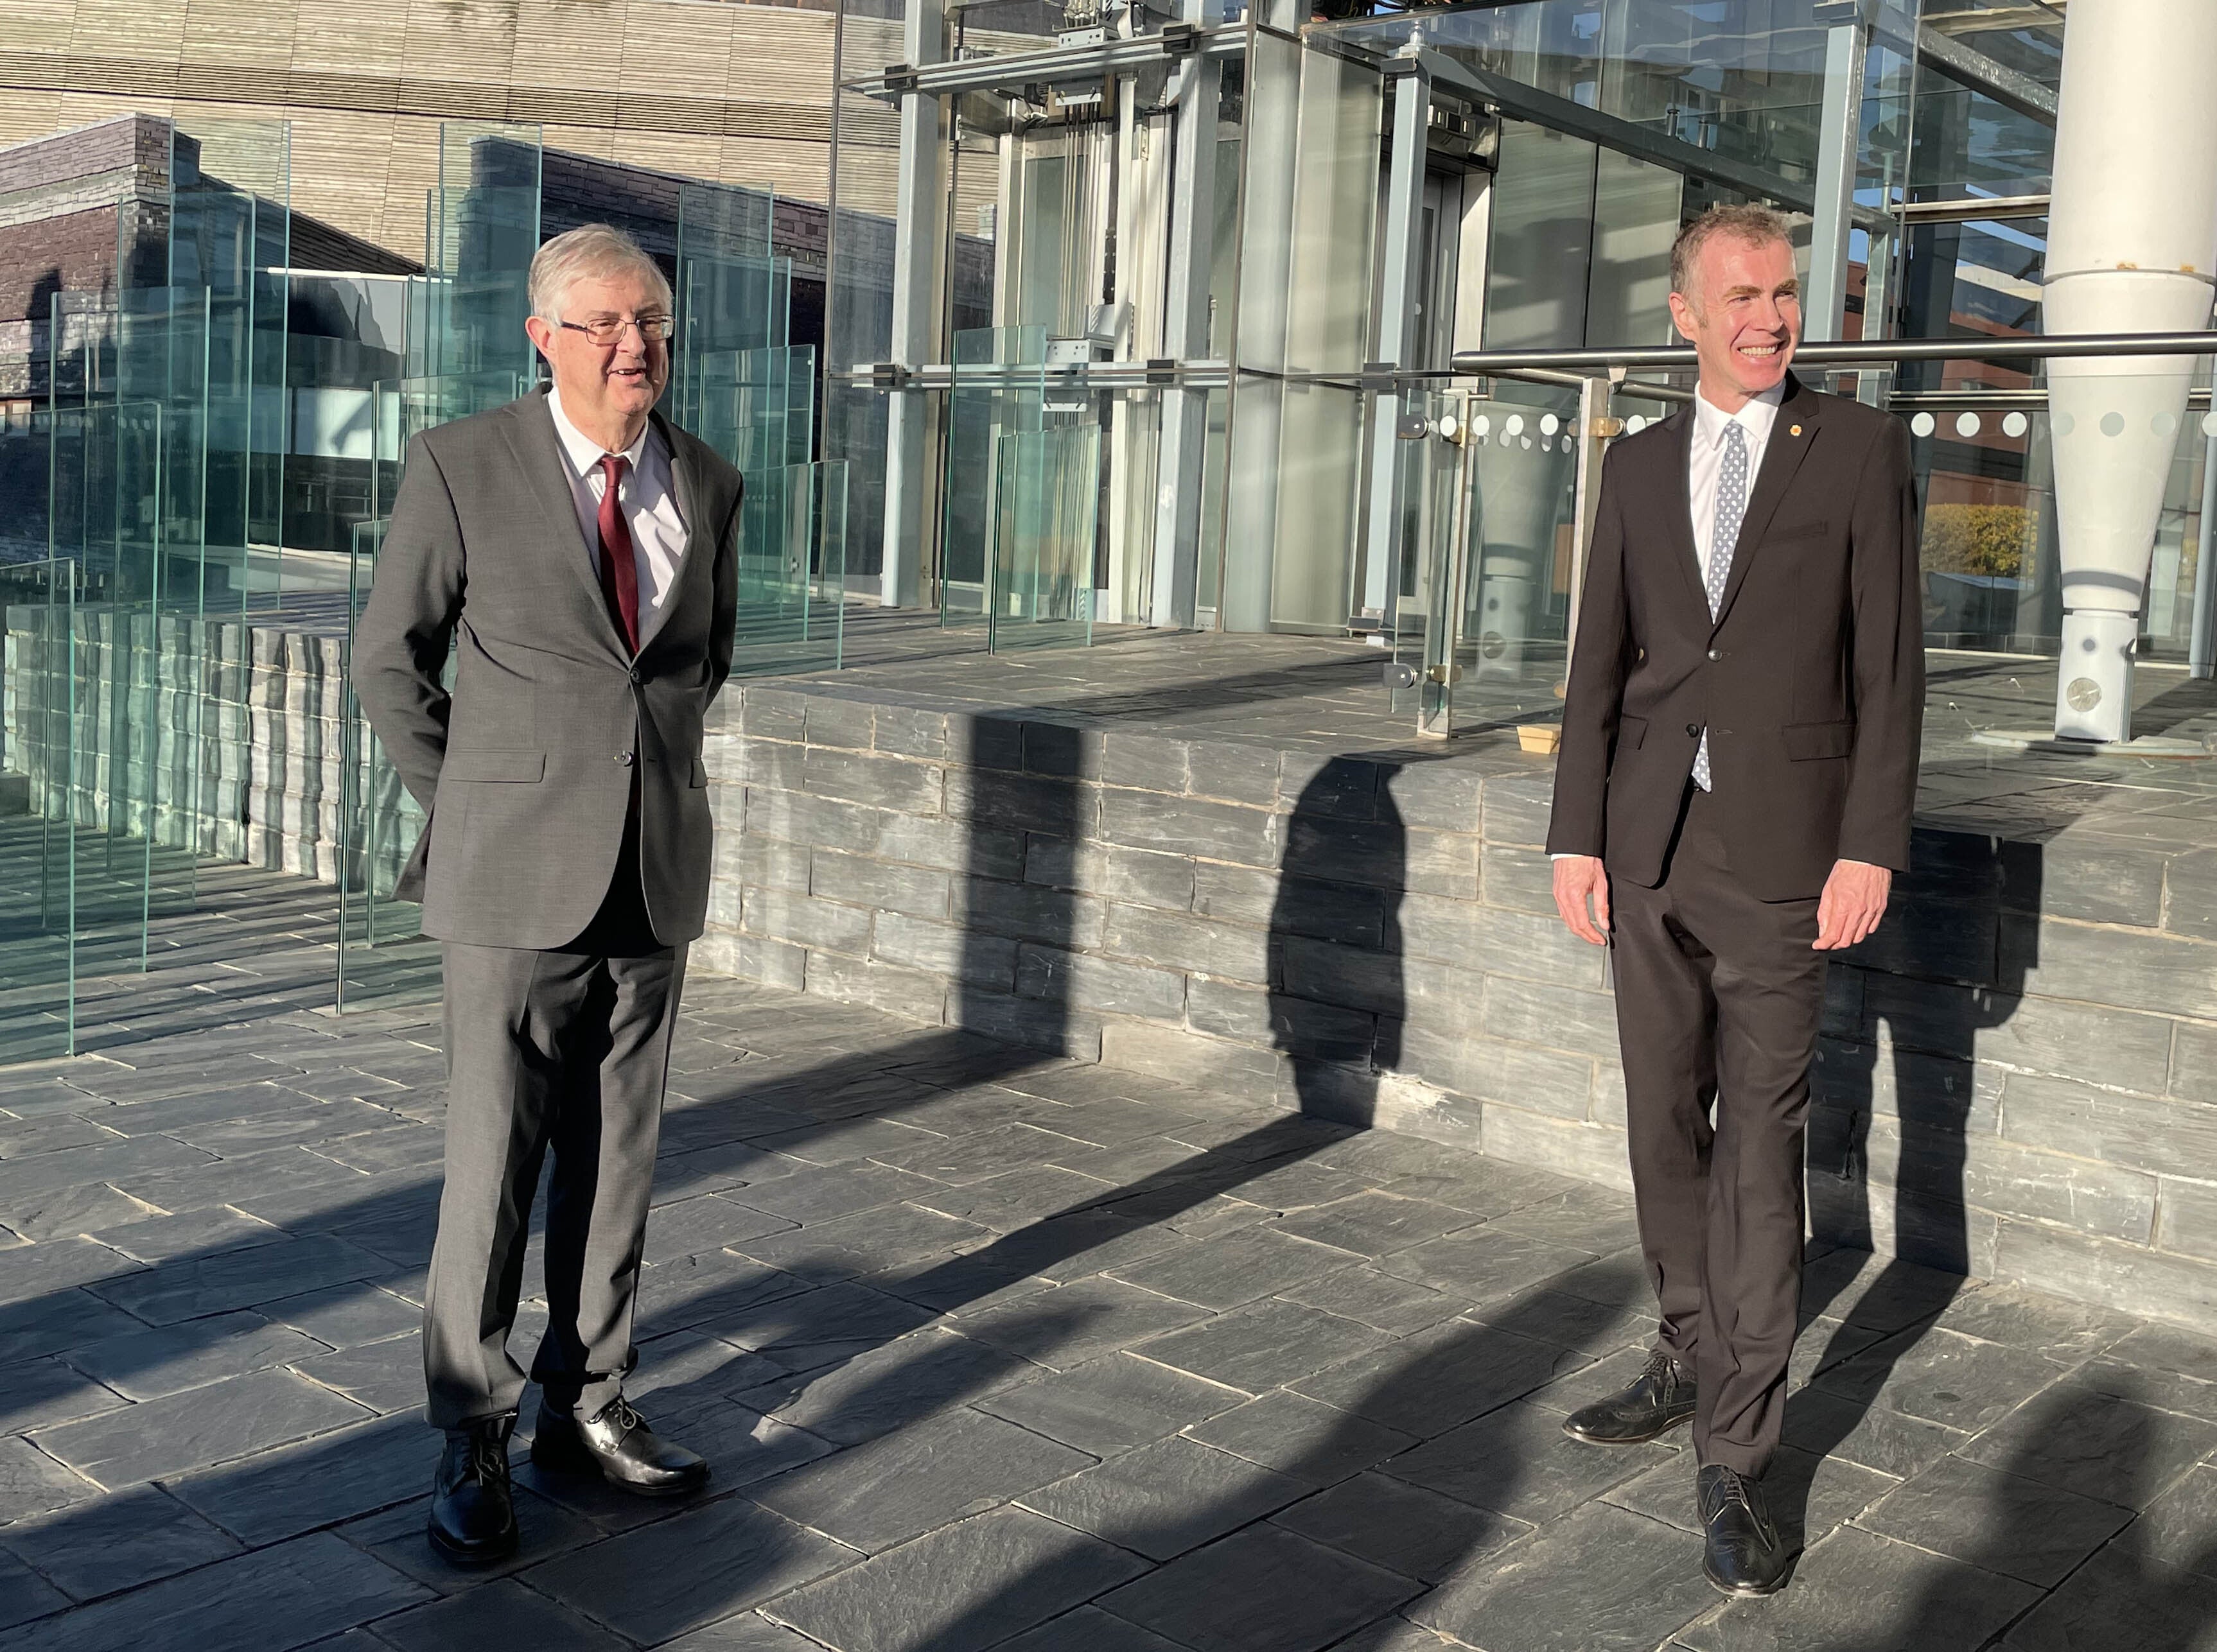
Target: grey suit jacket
x=526, y=767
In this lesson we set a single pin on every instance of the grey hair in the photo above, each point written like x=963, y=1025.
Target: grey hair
x=1757, y=226
x=590, y=250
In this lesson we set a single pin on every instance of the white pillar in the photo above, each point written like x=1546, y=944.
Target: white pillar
x=916, y=266
x=1396, y=310
x=1183, y=452
x=2132, y=240
x=1839, y=141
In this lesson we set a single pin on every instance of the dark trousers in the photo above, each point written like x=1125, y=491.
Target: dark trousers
x=1717, y=996
x=564, y=1052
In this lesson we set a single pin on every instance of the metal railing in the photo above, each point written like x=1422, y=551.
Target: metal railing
x=1601, y=377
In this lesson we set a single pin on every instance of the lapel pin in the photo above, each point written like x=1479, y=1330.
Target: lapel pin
x=1793, y=430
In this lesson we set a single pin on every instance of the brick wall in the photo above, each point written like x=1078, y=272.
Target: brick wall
x=2018, y=1079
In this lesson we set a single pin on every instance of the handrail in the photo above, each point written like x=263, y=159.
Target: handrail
x=1878, y=353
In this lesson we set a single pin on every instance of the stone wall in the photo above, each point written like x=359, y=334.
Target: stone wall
x=2018, y=1075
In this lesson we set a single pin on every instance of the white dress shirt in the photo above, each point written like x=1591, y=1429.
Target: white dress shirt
x=1705, y=456
x=648, y=500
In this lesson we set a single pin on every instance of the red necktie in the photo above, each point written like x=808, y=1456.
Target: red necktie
x=619, y=570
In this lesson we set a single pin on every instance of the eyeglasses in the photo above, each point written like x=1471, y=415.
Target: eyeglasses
x=609, y=329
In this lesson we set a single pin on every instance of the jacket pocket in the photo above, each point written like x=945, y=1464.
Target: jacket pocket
x=1630, y=731
x=492, y=763
x=1797, y=531
x=699, y=774
x=1805, y=742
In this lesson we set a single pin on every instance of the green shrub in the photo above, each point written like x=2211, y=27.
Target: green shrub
x=1979, y=539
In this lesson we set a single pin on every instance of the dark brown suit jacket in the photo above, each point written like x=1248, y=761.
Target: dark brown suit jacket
x=1811, y=682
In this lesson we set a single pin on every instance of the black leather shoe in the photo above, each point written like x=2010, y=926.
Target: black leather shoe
x=473, y=1510
x=1658, y=1400
x=616, y=1444
x=1742, y=1551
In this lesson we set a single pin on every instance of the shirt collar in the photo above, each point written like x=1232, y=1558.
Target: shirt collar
x=584, y=452
x=1754, y=420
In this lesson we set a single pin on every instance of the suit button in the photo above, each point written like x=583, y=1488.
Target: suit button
x=1693, y=728
x=623, y=758
x=639, y=676
x=1715, y=654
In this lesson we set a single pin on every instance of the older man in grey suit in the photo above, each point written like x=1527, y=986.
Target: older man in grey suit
x=578, y=554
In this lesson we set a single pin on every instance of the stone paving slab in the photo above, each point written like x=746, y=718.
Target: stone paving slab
x=994, y=1350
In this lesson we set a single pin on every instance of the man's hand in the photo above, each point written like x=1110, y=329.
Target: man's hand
x=1580, y=878
x=1853, y=902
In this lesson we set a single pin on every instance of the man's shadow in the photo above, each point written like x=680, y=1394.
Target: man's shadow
x=1945, y=966
x=1338, y=996
x=2150, y=1582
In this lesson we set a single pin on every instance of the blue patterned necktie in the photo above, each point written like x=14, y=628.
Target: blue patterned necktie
x=1732, y=505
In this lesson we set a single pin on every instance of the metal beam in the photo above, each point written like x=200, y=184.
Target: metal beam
x=1972, y=209
x=1062, y=63
x=1877, y=354
x=1512, y=97
x=1975, y=69
x=1997, y=20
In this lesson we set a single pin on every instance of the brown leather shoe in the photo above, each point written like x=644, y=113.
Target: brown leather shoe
x=616, y=1444
x=1657, y=1401
x=1742, y=1551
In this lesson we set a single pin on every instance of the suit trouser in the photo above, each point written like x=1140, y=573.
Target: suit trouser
x=1718, y=998
x=567, y=1050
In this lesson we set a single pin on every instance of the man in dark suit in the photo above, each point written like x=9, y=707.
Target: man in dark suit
x=1738, y=771
x=579, y=554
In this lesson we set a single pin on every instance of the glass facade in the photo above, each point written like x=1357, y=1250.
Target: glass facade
x=1255, y=238
x=1116, y=316
x=196, y=510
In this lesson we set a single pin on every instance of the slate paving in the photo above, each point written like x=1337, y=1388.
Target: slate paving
x=991, y=1350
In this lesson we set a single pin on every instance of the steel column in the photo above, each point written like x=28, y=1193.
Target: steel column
x=917, y=264
x=1839, y=135
x=1185, y=338
x=1396, y=310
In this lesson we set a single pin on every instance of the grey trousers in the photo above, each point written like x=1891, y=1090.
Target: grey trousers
x=1718, y=998
x=565, y=1050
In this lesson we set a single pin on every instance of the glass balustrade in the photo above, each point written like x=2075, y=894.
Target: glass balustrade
x=39, y=835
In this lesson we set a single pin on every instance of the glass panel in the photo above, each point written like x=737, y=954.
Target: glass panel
x=793, y=554
x=999, y=391
x=383, y=955
x=1047, y=510
x=1698, y=72
x=230, y=237
x=1435, y=496
x=1543, y=228
x=1636, y=206
x=1216, y=457
x=38, y=834
x=1517, y=603
x=732, y=294
x=1992, y=534
x=481, y=230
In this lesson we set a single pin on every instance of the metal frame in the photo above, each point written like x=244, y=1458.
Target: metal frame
x=1875, y=353
x=1016, y=69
